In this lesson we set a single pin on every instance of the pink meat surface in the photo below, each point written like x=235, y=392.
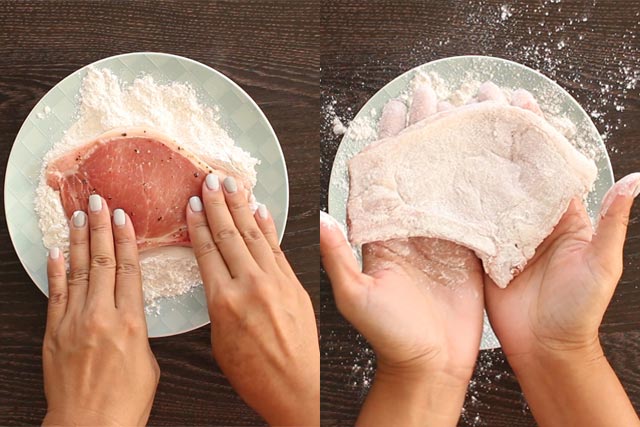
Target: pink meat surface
x=143, y=172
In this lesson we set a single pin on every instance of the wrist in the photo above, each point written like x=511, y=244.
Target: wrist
x=77, y=417
x=557, y=357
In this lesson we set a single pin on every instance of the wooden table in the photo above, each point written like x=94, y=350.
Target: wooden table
x=270, y=49
x=364, y=46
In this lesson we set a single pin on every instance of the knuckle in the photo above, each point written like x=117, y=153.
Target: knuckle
x=128, y=268
x=133, y=324
x=101, y=227
x=228, y=233
x=125, y=239
x=214, y=202
x=251, y=235
x=225, y=302
x=57, y=298
x=78, y=277
x=277, y=251
x=103, y=261
x=205, y=249
x=95, y=323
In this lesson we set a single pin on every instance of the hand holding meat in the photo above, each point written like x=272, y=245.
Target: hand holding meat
x=558, y=301
x=98, y=366
x=263, y=330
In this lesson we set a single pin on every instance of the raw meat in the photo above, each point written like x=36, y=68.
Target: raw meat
x=147, y=174
x=489, y=176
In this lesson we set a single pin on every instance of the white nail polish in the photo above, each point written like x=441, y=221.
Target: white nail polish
x=54, y=253
x=195, y=204
x=230, y=184
x=637, y=190
x=79, y=219
x=95, y=203
x=119, y=218
x=262, y=211
x=213, y=182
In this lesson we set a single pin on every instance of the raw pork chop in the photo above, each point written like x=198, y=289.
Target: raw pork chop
x=489, y=176
x=143, y=172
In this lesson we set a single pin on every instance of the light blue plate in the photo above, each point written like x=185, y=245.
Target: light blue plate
x=241, y=116
x=454, y=71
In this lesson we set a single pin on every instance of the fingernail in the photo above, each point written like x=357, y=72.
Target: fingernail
x=195, y=204
x=95, y=203
x=54, y=253
x=213, y=182
x=119, y=217
x=79, y=219
x=262, y=211
x=330, y=223
x=230, y=184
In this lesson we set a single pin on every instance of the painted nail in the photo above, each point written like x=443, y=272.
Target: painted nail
x=79, y=219
x=627, y=186
x=54, y=253
x=213, y=182
x=95, y=203
x=262, y=211
x=230, y=184
x=195, y=204
x=119, y=218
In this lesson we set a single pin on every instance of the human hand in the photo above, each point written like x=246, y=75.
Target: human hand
x=419, y=303
x=98, y=366
x=547, y=319
x=263, y=329
x=558, y=301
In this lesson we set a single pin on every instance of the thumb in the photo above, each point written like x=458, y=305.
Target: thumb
x=337, y=256
x=608, y=241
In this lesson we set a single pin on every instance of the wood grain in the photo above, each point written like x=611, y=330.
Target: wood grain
x=366, y=44
x=271, y=49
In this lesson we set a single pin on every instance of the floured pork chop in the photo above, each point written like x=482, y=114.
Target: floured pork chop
x=146, y=173
x=489, y=176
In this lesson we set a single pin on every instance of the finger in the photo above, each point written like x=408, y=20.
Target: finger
x=523, y=99
x=423, y=104
x=225, y=234
x=79, y=261
x=445, y=106
x=608, y=242
x=393, y=119
x=102, y=272
x=128, y=279
x=268, y=227
x=489, y=91
x=212, y=267
x=243, y=218
x=337, y=256
x=58, y=293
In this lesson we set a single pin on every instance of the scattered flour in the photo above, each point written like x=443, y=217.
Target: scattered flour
x=554, y=41
x=173, y=109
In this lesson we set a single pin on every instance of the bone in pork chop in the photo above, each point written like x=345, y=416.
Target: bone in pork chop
x=146, y=173
x=491, y=177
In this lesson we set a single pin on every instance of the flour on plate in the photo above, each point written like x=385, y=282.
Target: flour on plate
x=173, y=109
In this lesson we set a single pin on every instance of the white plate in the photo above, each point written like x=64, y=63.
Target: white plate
x=241, y=116
x=455, y=71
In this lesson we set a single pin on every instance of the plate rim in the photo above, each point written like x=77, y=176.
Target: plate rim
x=179, y=58
x=592, y=126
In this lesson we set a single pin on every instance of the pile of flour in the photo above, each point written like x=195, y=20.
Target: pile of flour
x=173, y=109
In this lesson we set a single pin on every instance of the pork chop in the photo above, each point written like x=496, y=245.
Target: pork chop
x=146, y=173
x=492, y=177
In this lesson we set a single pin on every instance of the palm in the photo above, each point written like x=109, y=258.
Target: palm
x=547, y=302
x=430, y=291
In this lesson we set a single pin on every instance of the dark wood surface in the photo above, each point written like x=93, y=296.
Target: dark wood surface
x=366, y=44
x=270, y=48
